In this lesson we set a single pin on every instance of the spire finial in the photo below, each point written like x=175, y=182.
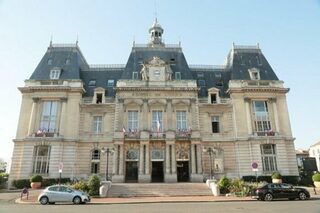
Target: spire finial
x=155, y=12
x=77, y=41
x=51, y=40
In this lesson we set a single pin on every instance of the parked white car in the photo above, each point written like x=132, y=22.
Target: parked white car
x=60, y=193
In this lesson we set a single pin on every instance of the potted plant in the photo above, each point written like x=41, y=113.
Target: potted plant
x=36, y=181
x=276, y=177
x=316, y=180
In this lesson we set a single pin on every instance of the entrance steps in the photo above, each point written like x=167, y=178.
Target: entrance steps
x=158, y=189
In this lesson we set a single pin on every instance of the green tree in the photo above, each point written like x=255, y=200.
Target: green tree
x=94, y=185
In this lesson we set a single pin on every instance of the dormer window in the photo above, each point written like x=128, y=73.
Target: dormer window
x=49, y=62
x=68, y=61
x=135, y=75
x=177, y=76
x=55, y=73
x=110, y=83
x=254, y=74
x=92, y=83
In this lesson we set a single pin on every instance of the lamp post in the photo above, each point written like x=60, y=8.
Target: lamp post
x=108, y=151
x=211, y=152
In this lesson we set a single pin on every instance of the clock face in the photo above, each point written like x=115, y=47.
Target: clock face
x=156, y=73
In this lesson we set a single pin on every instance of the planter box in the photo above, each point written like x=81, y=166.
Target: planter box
x=35, y=185
x=316, y=184
x=276, y=180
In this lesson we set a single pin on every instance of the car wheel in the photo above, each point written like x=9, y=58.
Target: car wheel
x=44, y=200
x=268, y=197
x=77, y=200
x=302, y=196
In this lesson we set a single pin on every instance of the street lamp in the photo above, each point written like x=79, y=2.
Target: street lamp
x=107, y=151
x=211, y=153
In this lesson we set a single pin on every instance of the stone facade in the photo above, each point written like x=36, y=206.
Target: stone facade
x=156, y=122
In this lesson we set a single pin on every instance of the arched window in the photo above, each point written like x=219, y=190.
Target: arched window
x=95, y=161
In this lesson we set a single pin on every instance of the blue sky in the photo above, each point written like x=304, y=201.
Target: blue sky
x=288, y=32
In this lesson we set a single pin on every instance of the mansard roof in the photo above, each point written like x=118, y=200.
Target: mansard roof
x=239, y=60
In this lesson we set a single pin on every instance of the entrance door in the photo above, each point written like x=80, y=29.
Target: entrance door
x=132, y=171
x=157, y=171
x=183, y=171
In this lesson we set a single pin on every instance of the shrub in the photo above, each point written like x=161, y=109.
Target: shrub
x=20, y=184
x=36, y=178
x=276, y=175
x=94, y=185
x=3, y=179
x=264, y=179
x=294, y=180
x=51, y=181
x=249, y=178
x=316, y=177
x=81, y=185
x=224, y=184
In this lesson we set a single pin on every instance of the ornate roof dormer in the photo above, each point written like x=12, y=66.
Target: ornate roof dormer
x=156, y=32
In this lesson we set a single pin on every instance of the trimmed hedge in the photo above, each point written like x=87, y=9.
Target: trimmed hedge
x=276, y=175
x=20, y=184
x=294, y=180
x=52, y=181
x=316, y=177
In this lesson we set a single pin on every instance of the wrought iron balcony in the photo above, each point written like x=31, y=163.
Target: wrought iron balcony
x=157, y=135
x=266, y=133
x=183, y=134
x=132, y=134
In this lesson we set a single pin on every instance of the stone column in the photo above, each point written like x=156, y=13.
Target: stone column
x=63, y=117
x=275, y=115
x=196, y=171
x=173, y=159
x=144, y=115
x=32, y=120
x=248, y=114
x=122, y=160
x=115, y=160
x=144, y=173
x=199, y=157
x=193, y=159
x=141, y=160
x=169, y=113
x=168, y=166
x=147, y=169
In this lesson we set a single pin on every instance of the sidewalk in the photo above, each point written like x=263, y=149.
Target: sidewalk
x=171, y=199
x=33, y=199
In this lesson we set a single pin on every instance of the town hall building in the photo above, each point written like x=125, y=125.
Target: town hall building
x=155, y=118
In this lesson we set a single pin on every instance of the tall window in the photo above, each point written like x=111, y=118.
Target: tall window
x=110, y=83
x=55, y=74
x=215, y=124
x=41, y=158
x=177, y=75
x=95, y=161
x=97, y=124
x=181, y=120
x=157, y=124
x=135, y=75
x=261, y=116
x=48, y=122
x=269, y=158
x=133, y=123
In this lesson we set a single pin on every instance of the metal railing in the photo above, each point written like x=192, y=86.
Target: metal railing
x=207, y=67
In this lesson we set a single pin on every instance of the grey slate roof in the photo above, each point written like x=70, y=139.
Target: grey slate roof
x=59, y=55
x=239, y=60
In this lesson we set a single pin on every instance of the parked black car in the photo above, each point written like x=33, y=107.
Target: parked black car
x=272, y=191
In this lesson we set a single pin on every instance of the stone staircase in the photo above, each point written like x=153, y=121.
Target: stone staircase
x=158, y=189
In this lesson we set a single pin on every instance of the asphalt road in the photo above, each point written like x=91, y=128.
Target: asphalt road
x=309, y=206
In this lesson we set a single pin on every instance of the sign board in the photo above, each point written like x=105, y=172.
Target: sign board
x=60, y=167
x=254, y=166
